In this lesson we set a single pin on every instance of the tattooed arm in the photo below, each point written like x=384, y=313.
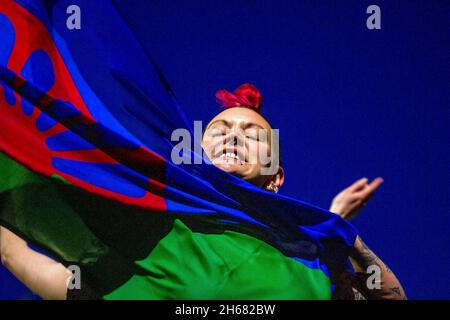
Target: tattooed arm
x=389, y=288
x=347, y=204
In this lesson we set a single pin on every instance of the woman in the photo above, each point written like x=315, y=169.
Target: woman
x=228, y=265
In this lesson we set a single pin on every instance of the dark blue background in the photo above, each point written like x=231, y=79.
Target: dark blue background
x=349, y=102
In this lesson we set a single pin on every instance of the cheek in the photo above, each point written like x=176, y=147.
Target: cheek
x=258, y=152
x=210, y=144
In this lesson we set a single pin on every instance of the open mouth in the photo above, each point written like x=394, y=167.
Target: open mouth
x=230, y=156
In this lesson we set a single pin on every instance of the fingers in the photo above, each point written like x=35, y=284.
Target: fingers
x=370, y=188
x=374, y=184
x=349, y=202
x=358, y=184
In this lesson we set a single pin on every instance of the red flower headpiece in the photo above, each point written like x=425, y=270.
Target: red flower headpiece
x=246, y=95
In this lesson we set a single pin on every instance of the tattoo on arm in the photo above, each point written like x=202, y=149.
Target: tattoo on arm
x=368, y=258
x=390, y=286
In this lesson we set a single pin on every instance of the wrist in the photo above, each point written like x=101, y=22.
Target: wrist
x=358, y=247
x=337, y=209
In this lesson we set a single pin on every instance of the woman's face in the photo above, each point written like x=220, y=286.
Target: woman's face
x=234, y=142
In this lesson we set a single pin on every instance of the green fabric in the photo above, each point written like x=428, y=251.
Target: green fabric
x=35, y=207
x=14, y=175
x=232, y=265
x=157, y=257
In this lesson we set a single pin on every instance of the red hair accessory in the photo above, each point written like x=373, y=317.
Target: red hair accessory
x=246, y=95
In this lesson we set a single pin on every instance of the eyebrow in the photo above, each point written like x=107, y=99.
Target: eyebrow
x=225, y=122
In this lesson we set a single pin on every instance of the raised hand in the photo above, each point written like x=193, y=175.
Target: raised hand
x=351, y=200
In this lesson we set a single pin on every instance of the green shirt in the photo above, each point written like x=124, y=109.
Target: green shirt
x=231, y=265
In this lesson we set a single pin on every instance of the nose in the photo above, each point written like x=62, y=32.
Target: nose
x=234, y=138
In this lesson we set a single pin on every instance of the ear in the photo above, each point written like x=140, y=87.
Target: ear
x=276, y=180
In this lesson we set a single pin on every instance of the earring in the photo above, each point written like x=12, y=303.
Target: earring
x=272, y=187
x=275, y=189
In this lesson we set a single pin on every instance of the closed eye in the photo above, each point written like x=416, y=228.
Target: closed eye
x=216, y=132
x=252, y=137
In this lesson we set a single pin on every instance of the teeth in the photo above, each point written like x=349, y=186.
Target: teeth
x=230, y=155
